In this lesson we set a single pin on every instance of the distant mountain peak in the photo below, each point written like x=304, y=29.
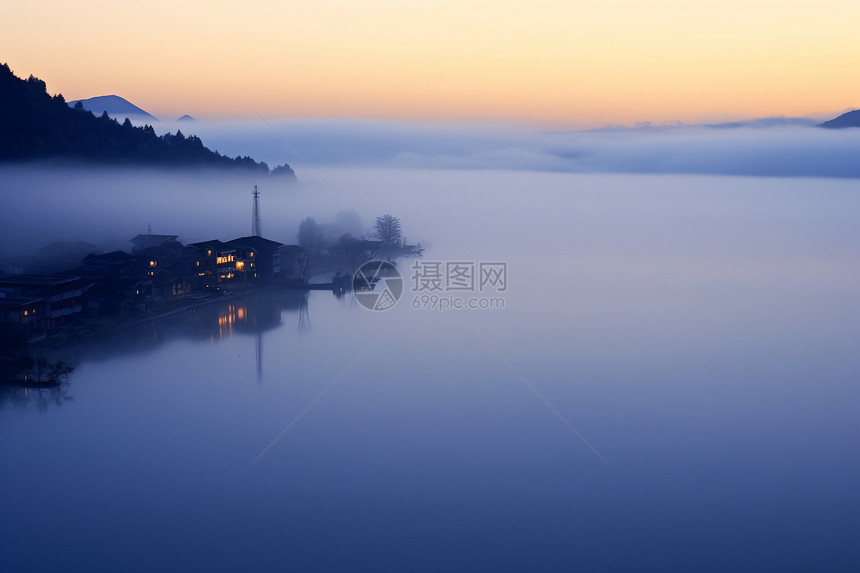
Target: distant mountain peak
x=849, y=119
x=186, y=117
x=115, y=106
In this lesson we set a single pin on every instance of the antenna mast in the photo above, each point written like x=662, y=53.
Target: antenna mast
x=255, y=222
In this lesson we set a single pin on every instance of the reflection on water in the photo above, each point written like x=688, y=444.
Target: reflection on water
x=252, y=314
x=22, y=397
x=257, y=314
x=249, y=315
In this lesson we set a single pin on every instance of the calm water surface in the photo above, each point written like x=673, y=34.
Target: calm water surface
x=671, y=386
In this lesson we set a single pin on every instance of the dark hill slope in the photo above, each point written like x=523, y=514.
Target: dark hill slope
x=850, y=119
x=37, y=126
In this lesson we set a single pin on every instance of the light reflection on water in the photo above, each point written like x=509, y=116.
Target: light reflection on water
x=700, y=333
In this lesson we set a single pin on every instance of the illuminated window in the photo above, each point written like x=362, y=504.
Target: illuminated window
x=137, y=291
x=26, y=313
x=240, y=266
x=252, y=253
x=208, y=253
x=152, y=263
x=197, y=263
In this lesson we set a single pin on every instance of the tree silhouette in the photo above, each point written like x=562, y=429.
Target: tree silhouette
x=388, y=231
x=38, y=126
x=311, y=236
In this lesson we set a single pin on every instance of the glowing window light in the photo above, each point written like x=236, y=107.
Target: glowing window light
x=240, y=266
x=152, y=263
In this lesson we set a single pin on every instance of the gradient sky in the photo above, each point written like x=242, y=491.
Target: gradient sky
x=556, y=63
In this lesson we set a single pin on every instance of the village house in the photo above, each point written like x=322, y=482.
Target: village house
x=42, y=302
x=158, y=270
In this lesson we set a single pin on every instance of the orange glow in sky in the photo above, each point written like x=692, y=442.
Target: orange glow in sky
x=556, y=63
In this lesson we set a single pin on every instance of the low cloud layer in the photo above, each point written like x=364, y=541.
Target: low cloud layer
x=764, y=148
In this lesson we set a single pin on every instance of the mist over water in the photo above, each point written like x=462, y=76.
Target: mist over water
x=698, y=331
x=107, y=207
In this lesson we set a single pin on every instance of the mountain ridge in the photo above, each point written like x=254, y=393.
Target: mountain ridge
x=35, y=126
x=847, y=119
x=117, y=107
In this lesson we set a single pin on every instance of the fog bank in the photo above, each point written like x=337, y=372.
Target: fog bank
x=765, y=148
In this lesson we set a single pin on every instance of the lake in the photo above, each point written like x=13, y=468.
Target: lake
x=671, y=385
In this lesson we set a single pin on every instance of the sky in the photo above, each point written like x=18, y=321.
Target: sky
x=557, y=64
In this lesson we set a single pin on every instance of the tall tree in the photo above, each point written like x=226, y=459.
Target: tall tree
x=388, y=231
x=311, y=236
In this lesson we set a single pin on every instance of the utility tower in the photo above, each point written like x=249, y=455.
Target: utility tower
x=255, y=221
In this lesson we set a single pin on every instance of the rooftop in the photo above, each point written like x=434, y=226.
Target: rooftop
x=38, y=280
x=207, y=244
x=113, y=257
x=255, y=242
